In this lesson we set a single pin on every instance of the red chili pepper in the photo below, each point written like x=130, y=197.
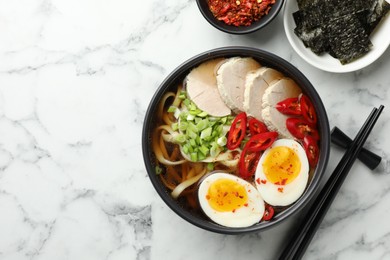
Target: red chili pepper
x=248, y=163
x=289, y=106
x=268, y=212
x=299, y=128
x=308, y=110
x=311, y=149
x=261, y=142
x=256, y=127
x=237, y=131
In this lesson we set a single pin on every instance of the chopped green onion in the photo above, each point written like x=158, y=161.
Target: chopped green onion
x=202, y=124
x=158, y=170
x=185, y=149
x=183, y=95
x=192, y=106
x=192, y=127
x=222, y=141
x=191, y=134
x=187, y=102
x=180, y=138
x=210, y=166
x=204, y=150
x=183, y=126
x=172, y=109
x=202, y=114
x=177, y=113
x=198, y=140
x=175, y=126
x=206, y=133
x=194, y=112
x=201, y=156
x=194, y=157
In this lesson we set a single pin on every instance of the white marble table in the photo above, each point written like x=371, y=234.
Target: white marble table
x=76, y=77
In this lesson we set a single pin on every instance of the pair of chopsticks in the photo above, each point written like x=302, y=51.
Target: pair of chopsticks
x=301, y=239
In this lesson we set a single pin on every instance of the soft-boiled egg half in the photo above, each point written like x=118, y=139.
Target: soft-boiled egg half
x=230, y=201
x=282, y=173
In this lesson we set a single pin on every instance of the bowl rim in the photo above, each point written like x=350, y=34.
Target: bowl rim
x=273, y=61
x=274, y=11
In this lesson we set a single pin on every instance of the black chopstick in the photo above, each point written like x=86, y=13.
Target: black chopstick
x=310, y=223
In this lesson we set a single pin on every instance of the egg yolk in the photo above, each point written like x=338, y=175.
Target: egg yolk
x=226, y=195
x=282, y=165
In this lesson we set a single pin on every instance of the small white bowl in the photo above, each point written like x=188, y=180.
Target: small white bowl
x=380, y=39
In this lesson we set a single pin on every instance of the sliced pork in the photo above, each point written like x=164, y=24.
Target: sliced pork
x=201, y=84
x=255, y=85
x=276, y=92
x=231, y=81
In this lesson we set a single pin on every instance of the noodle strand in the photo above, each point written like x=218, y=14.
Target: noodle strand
x=182, y=186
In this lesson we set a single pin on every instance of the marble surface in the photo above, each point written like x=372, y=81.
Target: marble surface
x=76, y=78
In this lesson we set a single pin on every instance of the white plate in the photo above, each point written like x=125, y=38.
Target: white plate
x=380, y=39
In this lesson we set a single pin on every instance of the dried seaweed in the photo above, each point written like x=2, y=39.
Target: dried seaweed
x=339, y=27
x=378, y=10
x=315, y=39
x=348, y=42
x=305, y=3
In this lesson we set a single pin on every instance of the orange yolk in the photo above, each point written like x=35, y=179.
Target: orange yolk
x=226, y=195
x=282, y=165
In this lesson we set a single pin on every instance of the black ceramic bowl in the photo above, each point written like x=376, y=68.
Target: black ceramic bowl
x=220, y=25
x=266, y=59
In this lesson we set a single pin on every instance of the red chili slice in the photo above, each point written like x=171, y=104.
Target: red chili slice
x=256, y=127
x=289, y=106
x=268, y=212
x=308, y=110
x=311, y=149
x=248, y=163
x=237, y=131
x=299, y=128
x=260, y=142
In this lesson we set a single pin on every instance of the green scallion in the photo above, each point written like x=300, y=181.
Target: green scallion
x=158, y=170
x=210, y=166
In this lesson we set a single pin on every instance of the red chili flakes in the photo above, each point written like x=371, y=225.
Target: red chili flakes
x=246, y=204
x=280, y=189
x=259, y=181
x=207, y=197
x=283, y=182
x=240, y=12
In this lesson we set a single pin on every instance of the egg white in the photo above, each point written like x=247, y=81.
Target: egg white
x=244, y=216
x=292, y=191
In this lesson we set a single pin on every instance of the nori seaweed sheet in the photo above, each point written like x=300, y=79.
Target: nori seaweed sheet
x=315, y=39
x=339, y=27
x=377, y=12
x=305, y=3
x=348, y=42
